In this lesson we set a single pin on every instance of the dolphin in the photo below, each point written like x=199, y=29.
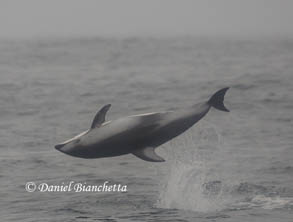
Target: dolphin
x=137, y=134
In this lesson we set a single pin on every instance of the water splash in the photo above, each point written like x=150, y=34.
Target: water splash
x=191, y=181
x=199, y=176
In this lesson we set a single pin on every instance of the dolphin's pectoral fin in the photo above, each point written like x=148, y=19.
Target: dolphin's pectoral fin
x=100, y=116
x=148, y=154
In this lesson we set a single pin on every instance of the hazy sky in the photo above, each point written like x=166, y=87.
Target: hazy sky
x=35, y=18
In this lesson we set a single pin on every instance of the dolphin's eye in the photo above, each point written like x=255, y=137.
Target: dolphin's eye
x=77, y=141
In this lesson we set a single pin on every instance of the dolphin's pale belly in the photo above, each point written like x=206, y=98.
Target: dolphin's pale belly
x=127, y=134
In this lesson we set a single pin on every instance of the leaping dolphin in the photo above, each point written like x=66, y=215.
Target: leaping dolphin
x=137, y=134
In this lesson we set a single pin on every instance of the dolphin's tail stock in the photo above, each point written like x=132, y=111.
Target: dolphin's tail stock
x=217, y=100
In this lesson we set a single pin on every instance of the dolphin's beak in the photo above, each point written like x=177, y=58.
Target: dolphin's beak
x=59, y=146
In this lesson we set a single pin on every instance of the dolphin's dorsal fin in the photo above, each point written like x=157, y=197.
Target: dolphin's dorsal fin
x=148, y=154
x=100, y=116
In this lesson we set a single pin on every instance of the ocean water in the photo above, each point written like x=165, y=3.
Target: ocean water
x=235, y=166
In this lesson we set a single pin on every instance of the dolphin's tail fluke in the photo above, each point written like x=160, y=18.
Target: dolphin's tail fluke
x=217, y=100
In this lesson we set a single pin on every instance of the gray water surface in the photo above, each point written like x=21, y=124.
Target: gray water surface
x=235, y=166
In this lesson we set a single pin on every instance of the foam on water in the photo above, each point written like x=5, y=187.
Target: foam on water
x=264, y=202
